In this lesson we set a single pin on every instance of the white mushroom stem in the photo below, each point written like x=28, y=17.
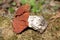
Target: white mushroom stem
x=37, y=23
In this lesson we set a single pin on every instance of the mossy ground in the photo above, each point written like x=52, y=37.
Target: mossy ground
x=52, y=32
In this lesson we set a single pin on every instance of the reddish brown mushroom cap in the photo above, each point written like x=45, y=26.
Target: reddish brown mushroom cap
x=19, y=25
x=22, y=9
x=20, y=22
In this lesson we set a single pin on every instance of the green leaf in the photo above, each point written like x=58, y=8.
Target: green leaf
x=23, y=1
x=14, y=3
x=11, y=10
x=32, y=2
x=35, y=9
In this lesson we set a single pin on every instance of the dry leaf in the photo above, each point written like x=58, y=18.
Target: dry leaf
x=56, y=16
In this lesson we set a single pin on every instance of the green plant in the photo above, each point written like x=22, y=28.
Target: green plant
x=36, y=6
x=11, y=9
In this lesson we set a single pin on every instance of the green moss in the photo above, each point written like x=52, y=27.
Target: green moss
x=1, y=19
x=4, y=21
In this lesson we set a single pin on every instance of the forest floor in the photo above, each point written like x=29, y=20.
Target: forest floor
x=52, y=32
x=6, y=29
